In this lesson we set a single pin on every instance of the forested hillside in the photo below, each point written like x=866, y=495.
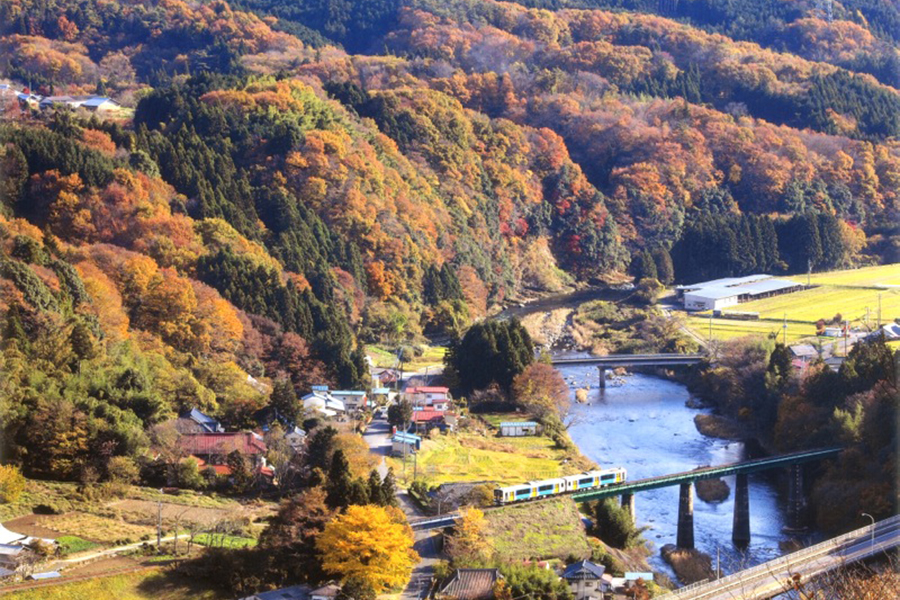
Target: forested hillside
x=290, y=181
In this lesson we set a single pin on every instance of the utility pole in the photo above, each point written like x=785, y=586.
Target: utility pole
x=159, y=526
x=879, y=310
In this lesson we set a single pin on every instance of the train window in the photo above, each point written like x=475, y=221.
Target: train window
x=523, y=492
x=587, y=481
x=607, y=477
x=545, y=488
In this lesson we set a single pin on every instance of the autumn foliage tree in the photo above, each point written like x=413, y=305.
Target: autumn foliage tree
x=542, y=391
x=370, y=544
x=470, y=543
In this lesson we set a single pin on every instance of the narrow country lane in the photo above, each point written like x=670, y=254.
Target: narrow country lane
x=427, y=544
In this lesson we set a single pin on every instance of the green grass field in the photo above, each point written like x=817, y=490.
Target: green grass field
x=549, y=529
x=224, y=541
x=70, y=544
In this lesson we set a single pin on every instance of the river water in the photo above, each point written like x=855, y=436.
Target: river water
x=645, y=426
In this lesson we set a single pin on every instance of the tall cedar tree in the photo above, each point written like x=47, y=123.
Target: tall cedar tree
x=490, y=352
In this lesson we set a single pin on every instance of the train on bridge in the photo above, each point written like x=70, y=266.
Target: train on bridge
x=560, y=485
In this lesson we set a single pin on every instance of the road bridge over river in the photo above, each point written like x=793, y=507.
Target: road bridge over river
x=774, y=577
x=614, y=361
x=686, y=479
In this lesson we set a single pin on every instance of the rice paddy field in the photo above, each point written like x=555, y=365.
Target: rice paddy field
x=474, y=457
x=726, y=329
x=881, y=275
x=853, y=294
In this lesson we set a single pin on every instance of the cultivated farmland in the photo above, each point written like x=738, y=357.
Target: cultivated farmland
x=850, y=294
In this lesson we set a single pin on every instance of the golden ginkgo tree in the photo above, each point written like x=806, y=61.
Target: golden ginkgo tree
x=369, y=544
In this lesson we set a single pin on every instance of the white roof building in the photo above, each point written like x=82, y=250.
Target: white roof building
x=730, y=291
x=323, y=403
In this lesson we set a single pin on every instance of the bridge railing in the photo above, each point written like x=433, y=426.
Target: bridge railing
x=782, y=562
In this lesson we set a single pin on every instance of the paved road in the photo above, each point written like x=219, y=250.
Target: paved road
x=772, y=578
x=378, y=437
x=427, y=543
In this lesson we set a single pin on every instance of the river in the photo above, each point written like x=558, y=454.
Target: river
x=645, y=426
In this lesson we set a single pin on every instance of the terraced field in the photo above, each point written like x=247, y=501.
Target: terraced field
x=472, y=457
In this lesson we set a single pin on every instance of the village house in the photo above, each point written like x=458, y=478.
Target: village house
x=470, y=584
x=329, y=591
x=588, y=580
x=382, y=396
x=194, y=421
x=212, y=449
x=436, y=398
x=14, y=559
x=352, y=399
x=385, y=377
x=320, y=401
x=424, y=419
x=100, y=104
x=296, y=438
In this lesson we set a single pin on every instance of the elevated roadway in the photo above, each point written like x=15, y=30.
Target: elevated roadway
x=613, y=361
x=775, y=577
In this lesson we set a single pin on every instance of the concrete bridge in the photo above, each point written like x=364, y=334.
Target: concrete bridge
x=614, y=361
x=686, y=479
x=774, y=577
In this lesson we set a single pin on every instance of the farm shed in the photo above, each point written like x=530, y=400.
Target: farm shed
x=404, y=443
x=518, y=428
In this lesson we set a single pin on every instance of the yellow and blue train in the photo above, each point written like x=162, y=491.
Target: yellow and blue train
x=560, y=485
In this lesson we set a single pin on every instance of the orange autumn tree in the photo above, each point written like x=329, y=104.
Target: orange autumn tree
x=368, y=544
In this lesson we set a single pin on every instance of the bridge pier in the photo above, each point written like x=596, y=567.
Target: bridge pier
x=602, y=377
x=796, y=513
x=740, y=534
x=685, y=537
x=628, y=504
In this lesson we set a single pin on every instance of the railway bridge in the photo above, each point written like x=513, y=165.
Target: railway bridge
x=686, y=480
x=614, y=361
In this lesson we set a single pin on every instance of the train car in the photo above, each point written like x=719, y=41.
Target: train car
x=561, y=485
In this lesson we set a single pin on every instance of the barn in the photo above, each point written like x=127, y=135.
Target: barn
x=731, y=291
x=518, y=428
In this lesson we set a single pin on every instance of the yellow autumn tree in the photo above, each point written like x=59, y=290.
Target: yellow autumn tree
x=470, y=542
x=12, y=483
x=368, y=545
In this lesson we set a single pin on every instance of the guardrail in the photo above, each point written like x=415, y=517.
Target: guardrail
x=781, y=563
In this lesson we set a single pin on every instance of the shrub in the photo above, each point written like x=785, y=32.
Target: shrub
x=12, y=483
